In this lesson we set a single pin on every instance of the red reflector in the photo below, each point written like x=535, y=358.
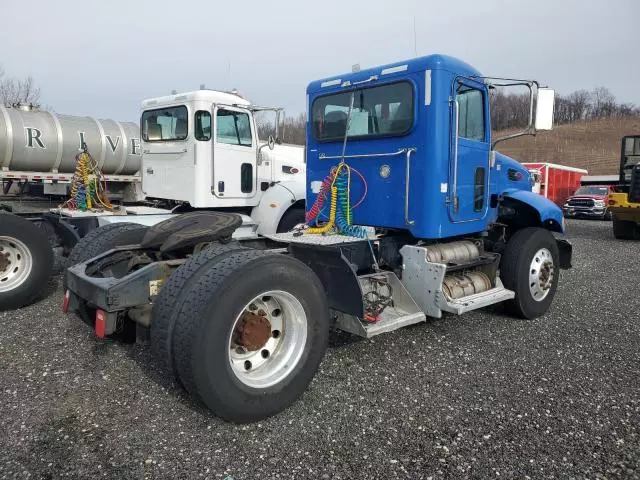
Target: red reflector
x=294, y=170
x=65, y=302
x=101, y=320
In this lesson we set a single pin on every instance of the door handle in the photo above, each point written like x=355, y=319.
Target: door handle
x=150, y=170
x=407, y=178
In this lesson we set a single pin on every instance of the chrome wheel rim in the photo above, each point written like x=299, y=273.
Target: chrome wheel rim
x=267, y=339
x=16, y=263
x=541, y=274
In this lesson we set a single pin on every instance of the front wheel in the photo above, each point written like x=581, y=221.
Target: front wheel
x=250, y=334
x=530, y=267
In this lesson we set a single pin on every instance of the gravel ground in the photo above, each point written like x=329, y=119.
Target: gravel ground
x=477, y=396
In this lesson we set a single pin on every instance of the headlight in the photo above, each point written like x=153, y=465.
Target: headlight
x=599, y=203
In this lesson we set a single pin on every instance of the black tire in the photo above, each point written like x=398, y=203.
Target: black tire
x=290, y=219
x=608, y=216
x=35, y=243
x=208, y=313
x=103, y=239
x=171, y=297
x=625, y=229
x=515, y=268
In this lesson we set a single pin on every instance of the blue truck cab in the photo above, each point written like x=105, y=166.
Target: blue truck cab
x=420, y=134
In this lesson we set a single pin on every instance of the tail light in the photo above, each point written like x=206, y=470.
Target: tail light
x=101, y=323
x=65, y=302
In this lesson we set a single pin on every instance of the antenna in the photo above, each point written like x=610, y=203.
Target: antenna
x=415, y=41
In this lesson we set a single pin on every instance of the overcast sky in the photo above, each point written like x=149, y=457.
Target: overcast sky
x=103, y=58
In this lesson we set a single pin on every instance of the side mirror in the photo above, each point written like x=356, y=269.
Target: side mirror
x=544, y=109
x=271, y=143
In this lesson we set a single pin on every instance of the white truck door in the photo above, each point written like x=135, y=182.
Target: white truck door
x=167, y=158
x=234, y=153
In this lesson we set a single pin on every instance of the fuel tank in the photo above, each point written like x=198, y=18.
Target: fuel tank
x=35, y=140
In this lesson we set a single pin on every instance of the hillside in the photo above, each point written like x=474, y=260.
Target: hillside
x=592, y=144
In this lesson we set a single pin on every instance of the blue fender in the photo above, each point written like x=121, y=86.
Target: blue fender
x=551, y=216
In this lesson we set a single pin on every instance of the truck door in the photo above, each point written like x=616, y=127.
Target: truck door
x=234, y=153
x=469, y=175
x=167, y=160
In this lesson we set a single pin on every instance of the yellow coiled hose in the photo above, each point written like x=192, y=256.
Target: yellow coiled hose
x=332, y=215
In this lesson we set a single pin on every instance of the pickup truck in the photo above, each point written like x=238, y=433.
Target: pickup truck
x=590, y=201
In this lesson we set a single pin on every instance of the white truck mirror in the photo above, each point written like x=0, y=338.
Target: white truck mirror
x=544, y=109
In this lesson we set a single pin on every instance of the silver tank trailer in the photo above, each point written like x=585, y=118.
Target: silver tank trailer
x=41, y=141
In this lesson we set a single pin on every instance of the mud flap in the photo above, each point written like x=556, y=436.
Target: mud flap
x=566, y=250
x=338, y=277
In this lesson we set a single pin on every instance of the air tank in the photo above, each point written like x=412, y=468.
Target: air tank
x=40, y=141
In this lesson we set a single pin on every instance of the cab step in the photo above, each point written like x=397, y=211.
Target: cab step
x=478, y=300
x=424, y=281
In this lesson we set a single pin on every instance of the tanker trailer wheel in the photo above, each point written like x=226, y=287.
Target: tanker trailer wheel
x=103, y=239
x=171, y=298
x=530, y=267
x=250, y=334
x=26, y=261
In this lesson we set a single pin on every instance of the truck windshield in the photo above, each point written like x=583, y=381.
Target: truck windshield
x=592, y=191
x=165, y=124
x=386, y=110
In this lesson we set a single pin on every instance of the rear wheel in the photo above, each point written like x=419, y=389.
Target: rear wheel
x=530, y=267
x=624, y=229
x=250, y=334
x=26, y=261
x=171, y=297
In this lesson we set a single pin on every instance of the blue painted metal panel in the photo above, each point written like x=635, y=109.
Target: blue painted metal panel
x=432, y=79
x=550, y=213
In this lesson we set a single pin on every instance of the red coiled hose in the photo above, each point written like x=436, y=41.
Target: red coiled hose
x=316, y=208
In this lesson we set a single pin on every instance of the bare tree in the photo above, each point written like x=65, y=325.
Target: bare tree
x=14, y=91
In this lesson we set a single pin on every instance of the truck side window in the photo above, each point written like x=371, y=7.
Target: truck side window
x=478, y=190
x=471, y=113
x=203, y=125
x=233, y=128
x=165, y=124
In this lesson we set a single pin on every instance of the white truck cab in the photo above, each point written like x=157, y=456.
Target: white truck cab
x=202, y=148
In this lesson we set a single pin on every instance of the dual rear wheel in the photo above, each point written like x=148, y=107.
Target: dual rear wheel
x=242, y=330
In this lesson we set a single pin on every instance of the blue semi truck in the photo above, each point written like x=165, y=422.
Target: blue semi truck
x=411, y=214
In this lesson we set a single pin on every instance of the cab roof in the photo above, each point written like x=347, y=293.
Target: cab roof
x=213, y=96
x=419, y=64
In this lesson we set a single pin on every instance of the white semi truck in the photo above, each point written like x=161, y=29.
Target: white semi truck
x=200, y=151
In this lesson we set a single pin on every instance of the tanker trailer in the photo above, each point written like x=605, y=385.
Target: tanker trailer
x=38, y=150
